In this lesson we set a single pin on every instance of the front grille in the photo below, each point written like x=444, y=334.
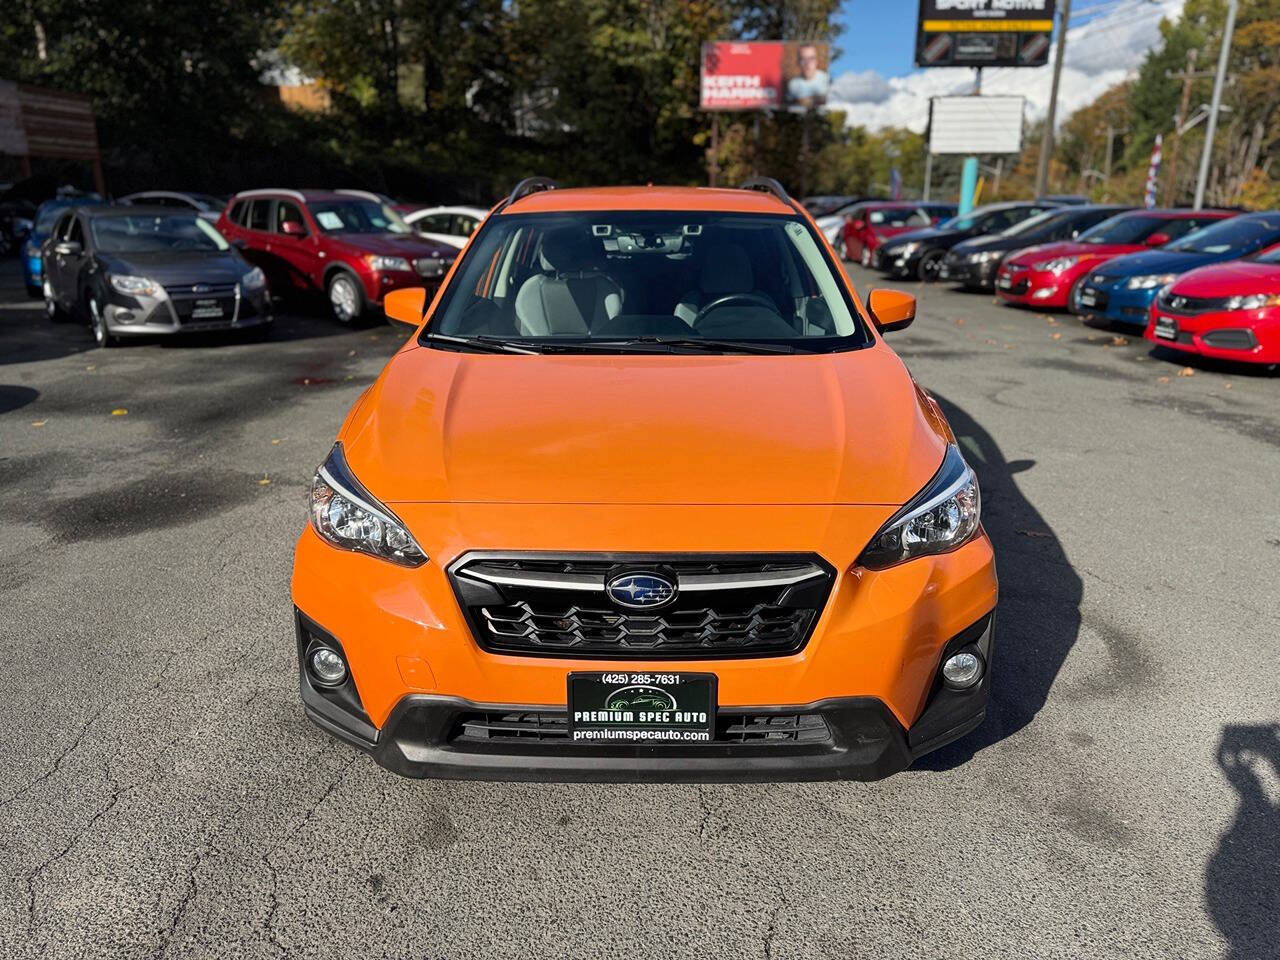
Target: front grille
x=431, y=267
x=186, y=300
x=552, y=726
x=1230, y=339
x=1191, y=306
x=724, y=606
x=1133, y=312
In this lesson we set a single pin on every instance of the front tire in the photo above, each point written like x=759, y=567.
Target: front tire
x=346, y=298
x=51, y=309
x=1073, y=295
x=101, y=335
x=930, y=263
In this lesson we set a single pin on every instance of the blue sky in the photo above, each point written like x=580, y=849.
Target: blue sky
x=876, y=83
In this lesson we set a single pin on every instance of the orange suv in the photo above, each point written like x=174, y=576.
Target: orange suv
x=646, y=496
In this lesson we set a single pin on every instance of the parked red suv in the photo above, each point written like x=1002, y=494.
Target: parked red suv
x=1050, y=275
x=870, y=224
x=348, y=244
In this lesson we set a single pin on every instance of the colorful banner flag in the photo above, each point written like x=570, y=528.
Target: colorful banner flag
x=1153, y=172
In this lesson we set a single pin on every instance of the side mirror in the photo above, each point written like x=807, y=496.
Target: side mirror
x=1157, y=240
x=891, y=309
x=293, y=228
x=405, y=305
x=67, y=248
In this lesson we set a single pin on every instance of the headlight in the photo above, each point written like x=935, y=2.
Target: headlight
x=32, y=250
x=346, y=515
x=255, y=279
x=986, y=256
x=906, y=250
x=938, y=519
x=133, y=286
x=1254, y=302
x=386, y=263
x=1149, y=280
x=1056, y=265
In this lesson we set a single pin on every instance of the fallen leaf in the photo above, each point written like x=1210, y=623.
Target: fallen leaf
x=1186, y=372
x=91, y=367
x=990, y=341
x=1055, y=336
x=1163, y=380
x=264, y=482
x=1119, y=341
x=1226, y=386
x=38, y=423
x=1053, y=321
x=351, y=353
x=1140, y=359
x=1008, y=346
x=958, y=321
x=349, y=376
x=1093, y=336
x=119, y=412
x=274, y=442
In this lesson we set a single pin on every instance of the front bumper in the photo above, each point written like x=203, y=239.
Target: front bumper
x=964, y=271
x=167, y=314
x=429, y=735
x=1115, y=303
x=1021, y=285
x=897, y=264
x=1241, y=336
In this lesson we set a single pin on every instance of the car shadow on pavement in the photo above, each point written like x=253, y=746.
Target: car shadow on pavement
x=1038, y=617
x=1213, y=364
x=1242, y=882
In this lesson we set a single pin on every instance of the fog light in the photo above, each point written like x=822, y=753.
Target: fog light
x=328, y=667
x=962, y=670
x=1044, y=293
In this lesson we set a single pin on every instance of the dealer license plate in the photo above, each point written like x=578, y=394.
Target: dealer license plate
x=1088, y=298
x=1166, y=328
x=206, y=310
x=1004, y=283
x=641, y=707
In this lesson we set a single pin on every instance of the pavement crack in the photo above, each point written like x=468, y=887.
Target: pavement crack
x=708, y=812
x=57, y=761
x=771, y=931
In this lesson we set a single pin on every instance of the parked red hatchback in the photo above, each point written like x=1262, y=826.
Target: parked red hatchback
x=870, y=224
x=1051, y=274
x=349, y=245
x=1230, y=311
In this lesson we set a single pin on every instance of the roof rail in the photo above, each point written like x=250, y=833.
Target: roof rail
x=295, y=194
x=530, y=185
x=767, y=185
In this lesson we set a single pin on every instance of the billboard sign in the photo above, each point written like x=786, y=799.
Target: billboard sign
x=764, y=76
x=984, y=33
x=975, y=125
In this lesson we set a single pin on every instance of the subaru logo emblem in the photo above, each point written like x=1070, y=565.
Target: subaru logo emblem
x=640, y=591
x=201, y=288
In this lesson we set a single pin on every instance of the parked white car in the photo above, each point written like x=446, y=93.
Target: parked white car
x=453, y=225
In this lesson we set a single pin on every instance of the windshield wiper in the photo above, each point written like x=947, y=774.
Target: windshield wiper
x=702, y=343
x=482, y=344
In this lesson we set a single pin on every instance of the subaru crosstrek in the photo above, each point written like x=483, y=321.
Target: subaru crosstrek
x=646, y=496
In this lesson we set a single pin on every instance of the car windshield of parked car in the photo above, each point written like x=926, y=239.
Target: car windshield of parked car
x=647, y=277
x=357, y=216
x=906, y=217
x=1125, y=229
x=47, y=217
x=1269, y=256
x=1032, y=223
x=152, y=233
x=1236, y=234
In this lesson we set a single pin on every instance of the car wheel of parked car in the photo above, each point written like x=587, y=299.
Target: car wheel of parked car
x=51, y=308
x=346, y=299
x=1073, y=295
x=100, y=332
x=927, y=271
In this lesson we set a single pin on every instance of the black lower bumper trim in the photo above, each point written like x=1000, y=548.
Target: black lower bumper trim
x=424, y=736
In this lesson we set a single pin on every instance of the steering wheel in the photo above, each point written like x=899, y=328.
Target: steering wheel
x=752, y=299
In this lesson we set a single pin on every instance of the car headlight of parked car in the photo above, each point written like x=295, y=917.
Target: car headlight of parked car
x=346, y=515
x=986, y=256
x=255, y=279
x=906, y=250
x=133, y=286
x=1147, y=281
x=940, y=518
x=1254, y=301
x=381, y=263
x=1056, y=265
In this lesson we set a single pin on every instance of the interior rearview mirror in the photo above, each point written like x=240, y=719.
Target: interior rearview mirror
x=891, y=309
x=405, y=306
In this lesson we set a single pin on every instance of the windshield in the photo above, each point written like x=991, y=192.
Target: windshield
x=47, y=218
x=357, y=216
x=588, y=278
x=821, y=206
x=1031, y=223
x=1124, y=229
x=1237, y=234
x=150, y=233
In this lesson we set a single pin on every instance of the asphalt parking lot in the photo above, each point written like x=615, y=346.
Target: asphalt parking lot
x=162, y=795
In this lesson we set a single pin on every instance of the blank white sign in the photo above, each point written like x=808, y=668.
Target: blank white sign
x=974, y=125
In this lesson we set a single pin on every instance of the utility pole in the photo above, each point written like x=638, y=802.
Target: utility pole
x=1186, y=77
x=1214, y=106
x=1046, y=144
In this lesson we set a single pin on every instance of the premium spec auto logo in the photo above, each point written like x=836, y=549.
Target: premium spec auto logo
x=640, y=591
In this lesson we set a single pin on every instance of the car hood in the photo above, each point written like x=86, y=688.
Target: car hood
x=1160, y=261
x=844, y=428
x=1238, y=278
x=995, y=242
x=180, y=267
x=931, y=235
x=392, y=245
x=1070, y=248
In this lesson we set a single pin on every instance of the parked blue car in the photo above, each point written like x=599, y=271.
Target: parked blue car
x=46, y=216
x=1121, y=290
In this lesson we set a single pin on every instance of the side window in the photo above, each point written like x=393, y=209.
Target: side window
x=259, y=212
x=1179, y=228
x=436, y=223
x=63, y=225
x=75, y=233
x=236, y=215
x=464, y=226
x=286, y=211
x=999, y=221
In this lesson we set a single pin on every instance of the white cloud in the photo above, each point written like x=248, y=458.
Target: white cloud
x=1100, y=54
